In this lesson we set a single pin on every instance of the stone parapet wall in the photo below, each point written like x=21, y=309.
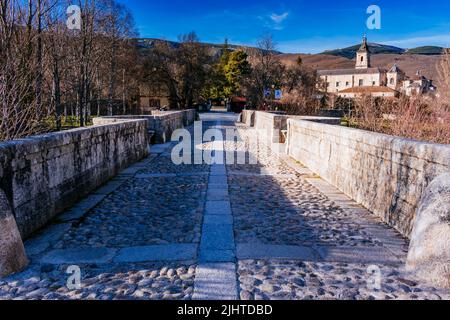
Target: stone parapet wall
x=248, y=117
x=271, y=124
x=161, y=123
x=386, y=174
x=44, y=175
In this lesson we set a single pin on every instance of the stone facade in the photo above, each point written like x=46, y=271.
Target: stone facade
x=44, y=175
x=386, y=174
x=160, y=123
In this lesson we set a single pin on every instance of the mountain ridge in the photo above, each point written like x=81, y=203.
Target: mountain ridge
x=347, y=52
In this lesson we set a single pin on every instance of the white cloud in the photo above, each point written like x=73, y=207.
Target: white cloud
x=276, y=20
x=279, y=18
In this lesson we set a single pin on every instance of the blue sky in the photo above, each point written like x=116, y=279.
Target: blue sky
x=297, y=25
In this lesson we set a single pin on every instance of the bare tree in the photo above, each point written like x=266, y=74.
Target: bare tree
x=48, y=71
x=444, y=74
x=18, y=116
x=182, y=71
x=267, y=72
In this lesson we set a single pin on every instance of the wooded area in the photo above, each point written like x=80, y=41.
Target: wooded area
x=51, y=75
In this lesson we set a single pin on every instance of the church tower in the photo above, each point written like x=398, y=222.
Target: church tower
x=363, y=56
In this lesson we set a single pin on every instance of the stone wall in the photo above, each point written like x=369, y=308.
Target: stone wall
x=386, y=174
x=271, y=124
x=44, y=175
x=248, y=117
x=161, y=123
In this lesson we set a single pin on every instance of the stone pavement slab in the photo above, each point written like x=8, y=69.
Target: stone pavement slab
x=217, y=208
x=161, y=148
x=208, y=255
x=155, y=175
x=79, y=256
x=80, y=209
x=42, y=242
x=217, y=194
x=264, y=251
x=371, y=255
x=172, y=252
x=218, y=219
x=110, y=187
x=215, y=281
x=218, y=237
x=220, y=179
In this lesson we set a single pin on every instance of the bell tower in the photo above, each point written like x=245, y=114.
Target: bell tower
x=363, y=56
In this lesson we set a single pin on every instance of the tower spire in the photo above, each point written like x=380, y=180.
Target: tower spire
x=363, y=55
x=364, y=45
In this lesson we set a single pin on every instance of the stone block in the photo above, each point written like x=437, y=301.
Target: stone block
x=215, y=281
x=13, y=258
x=429, y=252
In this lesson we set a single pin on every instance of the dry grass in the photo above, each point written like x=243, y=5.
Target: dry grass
x=416, y=118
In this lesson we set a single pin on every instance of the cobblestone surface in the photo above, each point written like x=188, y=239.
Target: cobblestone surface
x=164, y=164
x=113, y=282
x=288, y=210
x=144, y=212
x=295, y=280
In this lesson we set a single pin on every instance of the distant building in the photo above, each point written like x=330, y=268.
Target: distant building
x=365, y=79
x=153, y=96
x=418, y=85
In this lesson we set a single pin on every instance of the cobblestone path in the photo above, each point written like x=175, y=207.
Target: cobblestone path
x=272, y=230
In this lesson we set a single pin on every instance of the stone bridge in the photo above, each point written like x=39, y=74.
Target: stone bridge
x=270, y=230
